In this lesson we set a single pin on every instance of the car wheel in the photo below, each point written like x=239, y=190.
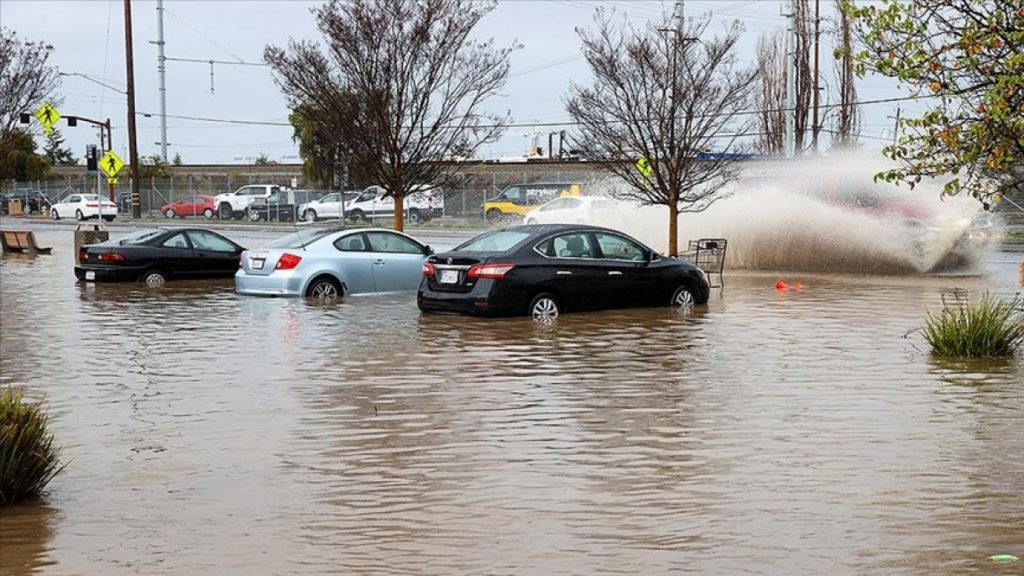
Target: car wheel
x=254, y=216
x=309, y=215
x=208, y=213
x=153, y=278
x=79, y=216
x=109, y=218
x=544, y=308
x=494, y=216
x=530, y=221
x=357, y=215
x=324, y=289
x=54, y=214
x=415, y=217
x=170, y=213
x=224, y=211
x=682, y=298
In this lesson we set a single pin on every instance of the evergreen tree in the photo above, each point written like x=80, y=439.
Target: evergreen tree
x=55, y=151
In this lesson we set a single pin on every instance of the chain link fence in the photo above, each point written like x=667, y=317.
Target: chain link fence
x=463, y=199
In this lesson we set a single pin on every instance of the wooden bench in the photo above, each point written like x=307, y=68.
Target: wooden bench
x=22, y=241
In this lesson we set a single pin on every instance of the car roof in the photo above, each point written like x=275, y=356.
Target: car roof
x=546, y=228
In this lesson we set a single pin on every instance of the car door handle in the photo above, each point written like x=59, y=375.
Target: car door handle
x=378, y=262
x=564, y=273
x=615, y=273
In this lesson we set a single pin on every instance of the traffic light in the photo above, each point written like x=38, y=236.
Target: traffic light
x=72, y=121
x=91, y=159
x=25, y=118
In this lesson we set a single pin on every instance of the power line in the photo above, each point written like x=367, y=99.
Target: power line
x=563, y=124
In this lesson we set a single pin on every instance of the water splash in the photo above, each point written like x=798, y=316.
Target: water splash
x=821, y=215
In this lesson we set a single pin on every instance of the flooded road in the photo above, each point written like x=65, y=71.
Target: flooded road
x=767, y=433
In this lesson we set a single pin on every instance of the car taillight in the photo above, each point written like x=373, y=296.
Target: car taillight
x=493, y=271
x=288, y=261
x=82, y=255
x=110, y=257
x=93, y=205
x=428, y=269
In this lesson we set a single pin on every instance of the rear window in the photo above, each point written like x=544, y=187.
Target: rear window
x=497, y=241
x=299, y=239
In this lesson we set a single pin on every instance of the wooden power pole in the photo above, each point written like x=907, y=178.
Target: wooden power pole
x=133, y=152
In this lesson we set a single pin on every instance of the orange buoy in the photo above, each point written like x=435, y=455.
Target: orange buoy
x=780, y=285
x=799, y=285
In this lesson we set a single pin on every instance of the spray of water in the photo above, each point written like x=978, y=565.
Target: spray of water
x=820, y=215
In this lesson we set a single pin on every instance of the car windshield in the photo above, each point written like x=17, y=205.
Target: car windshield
x=141, y=236
x=498, y=241
x=299, y=239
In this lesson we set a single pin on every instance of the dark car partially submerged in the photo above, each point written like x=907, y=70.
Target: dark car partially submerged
x=544, y=270
x=155, y=256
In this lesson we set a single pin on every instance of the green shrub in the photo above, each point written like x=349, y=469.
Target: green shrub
x=28, y=456
x=992, y=327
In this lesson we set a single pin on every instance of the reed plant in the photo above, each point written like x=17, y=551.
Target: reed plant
x=29, y=457
x=989, y=328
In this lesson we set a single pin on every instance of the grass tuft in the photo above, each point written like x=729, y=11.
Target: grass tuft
x=990, y=328
x=28, y=455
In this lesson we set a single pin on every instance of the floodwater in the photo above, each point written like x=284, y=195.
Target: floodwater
x=799, y=432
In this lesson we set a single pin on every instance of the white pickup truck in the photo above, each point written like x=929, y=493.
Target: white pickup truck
x=236, y=204
x=426, y=203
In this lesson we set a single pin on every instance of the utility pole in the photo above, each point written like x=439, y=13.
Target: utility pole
x=161, y=68
x=817, y=76
x=790, y=145
x=133, y=152
x=896, y=126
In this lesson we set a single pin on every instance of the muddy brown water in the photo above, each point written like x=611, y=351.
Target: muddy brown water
x=768, y=433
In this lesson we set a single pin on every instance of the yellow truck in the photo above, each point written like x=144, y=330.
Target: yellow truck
x=518, y=199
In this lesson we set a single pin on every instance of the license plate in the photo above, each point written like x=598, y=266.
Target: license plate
x=257, y=263
x=449, y=276
x=90, y=275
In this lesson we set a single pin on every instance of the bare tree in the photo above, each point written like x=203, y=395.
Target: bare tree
x=25, y=80
x=418, y=79
x=667, y=101
x=847, y=131
x=805, y=82
x=771, y=93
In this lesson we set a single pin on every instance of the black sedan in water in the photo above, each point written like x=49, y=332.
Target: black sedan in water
x=155, y=256
x=544, y=270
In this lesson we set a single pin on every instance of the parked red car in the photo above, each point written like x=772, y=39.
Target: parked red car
x=191, y=206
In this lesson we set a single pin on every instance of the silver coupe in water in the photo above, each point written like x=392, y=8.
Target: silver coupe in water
x=332, y=262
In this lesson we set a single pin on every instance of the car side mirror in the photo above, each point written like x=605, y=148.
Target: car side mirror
x=427, y=250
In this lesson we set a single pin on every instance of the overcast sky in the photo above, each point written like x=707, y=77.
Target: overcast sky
x=88, y=39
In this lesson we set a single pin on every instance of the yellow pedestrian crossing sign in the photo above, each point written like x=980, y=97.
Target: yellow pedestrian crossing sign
x=47, y=116
x=644, y=166
x=111, y=164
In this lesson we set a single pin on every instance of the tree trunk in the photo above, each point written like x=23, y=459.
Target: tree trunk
x=673, y=231
x=399, y=212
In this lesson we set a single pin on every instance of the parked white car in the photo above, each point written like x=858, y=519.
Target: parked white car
x=327, y=207
x=426, y=203
x=82, y=207
x=572, y=210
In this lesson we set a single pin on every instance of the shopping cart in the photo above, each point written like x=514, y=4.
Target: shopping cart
x=708, y=254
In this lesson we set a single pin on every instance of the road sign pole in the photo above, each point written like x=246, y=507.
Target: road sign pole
x=110, y=146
